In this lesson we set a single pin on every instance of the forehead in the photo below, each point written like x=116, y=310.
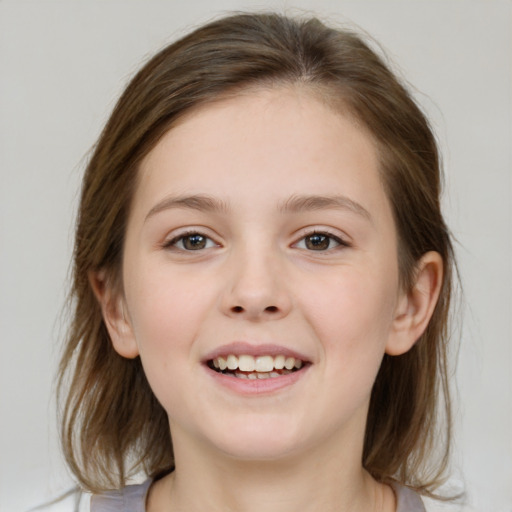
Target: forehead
x=285, y=132
x=252, y=156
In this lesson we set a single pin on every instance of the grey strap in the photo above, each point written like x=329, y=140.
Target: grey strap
x=130, y=499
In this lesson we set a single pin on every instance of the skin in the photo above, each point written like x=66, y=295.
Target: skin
x=258, y=280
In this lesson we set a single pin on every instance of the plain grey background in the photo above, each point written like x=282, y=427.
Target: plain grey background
x=62, y=66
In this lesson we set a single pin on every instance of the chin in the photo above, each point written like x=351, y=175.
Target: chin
x=252, y=440
x=260, y=451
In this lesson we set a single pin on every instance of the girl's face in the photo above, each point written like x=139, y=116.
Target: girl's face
x=260, y=235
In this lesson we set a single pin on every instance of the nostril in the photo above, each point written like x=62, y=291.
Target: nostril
x=239, y=310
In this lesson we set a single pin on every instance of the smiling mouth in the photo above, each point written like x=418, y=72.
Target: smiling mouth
x=260, y=367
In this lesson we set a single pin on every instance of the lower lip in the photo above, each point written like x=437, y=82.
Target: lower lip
x=257, y=386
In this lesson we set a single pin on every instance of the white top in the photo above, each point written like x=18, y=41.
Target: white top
x=133, y=499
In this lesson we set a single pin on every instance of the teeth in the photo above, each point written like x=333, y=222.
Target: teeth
x=261, y=375
x=279, y=362
x=232, y=362
x=262, y=367
x=246, y=363
x=289, y=363
x=264, y=364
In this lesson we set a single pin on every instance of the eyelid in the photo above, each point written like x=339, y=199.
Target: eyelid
x=341, y=240
x=171, y=241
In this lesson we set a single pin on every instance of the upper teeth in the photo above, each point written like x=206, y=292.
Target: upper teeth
x=246, y=363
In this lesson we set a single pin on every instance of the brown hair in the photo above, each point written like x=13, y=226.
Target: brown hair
x=112, y=425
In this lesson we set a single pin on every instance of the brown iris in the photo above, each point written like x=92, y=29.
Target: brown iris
x=317, y=242
x=194, y=242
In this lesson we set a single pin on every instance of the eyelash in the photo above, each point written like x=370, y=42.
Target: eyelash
x=172, y=244
x=329, y=236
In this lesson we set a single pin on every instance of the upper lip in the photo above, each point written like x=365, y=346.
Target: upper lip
x=239, y=348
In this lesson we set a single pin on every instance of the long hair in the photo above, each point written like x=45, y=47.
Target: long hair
x=112, y=425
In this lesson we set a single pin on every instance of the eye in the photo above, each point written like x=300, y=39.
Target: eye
x=190, y=242
x=319, y=241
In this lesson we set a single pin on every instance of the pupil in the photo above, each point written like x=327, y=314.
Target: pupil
x=194, y=242
x=317, y=242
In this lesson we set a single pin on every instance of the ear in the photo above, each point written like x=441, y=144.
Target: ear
x=115, y=316
x=415, y=307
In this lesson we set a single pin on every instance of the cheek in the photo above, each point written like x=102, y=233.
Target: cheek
x=165, y=311
x=352, y=314
x=165, y=314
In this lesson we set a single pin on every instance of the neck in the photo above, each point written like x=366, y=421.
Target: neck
x=313, y=482
x=265, y=487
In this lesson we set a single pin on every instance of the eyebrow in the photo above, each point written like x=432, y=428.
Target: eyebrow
x=295, y=204
x=302, y=203
x=195, y=202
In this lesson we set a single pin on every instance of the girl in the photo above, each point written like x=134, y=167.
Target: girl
x=262, y=281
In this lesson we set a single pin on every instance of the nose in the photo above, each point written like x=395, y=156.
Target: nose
x=256, y=288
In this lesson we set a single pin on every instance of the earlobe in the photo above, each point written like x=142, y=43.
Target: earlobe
x=415, y=307
x=115, y=316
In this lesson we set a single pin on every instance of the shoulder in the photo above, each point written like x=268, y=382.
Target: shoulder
x=407, y=499
x=131, y=498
